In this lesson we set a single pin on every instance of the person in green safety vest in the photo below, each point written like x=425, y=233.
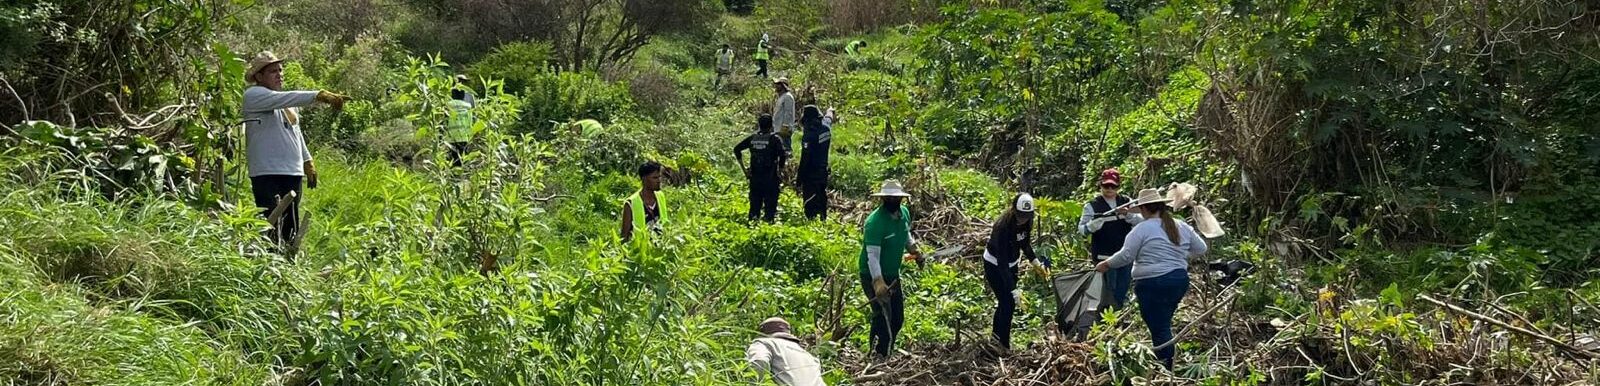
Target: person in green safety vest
x=646, y=208
x=854, y=48
x=458, y=125
x=584, y=127
x=761, y=58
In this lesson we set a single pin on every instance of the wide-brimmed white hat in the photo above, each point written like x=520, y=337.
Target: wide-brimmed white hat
x=1150, y=196
x=891, y=188
x=260, y=61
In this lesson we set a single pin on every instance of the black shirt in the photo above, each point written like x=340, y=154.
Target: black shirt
x=767, y=153
x=1006, y=245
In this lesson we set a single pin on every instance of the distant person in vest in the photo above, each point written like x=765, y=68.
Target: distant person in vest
x=886, y=237
x=1107, y=232
x=645, y=209
x=278, y=158
x=813, y=173
x=854, y=48
x=778, y=352
x=783, y=111
x=1159, y=252
x=458, y=126
x=767, y=155
x=724, y=64
x=1009, y=240
x=761, y=57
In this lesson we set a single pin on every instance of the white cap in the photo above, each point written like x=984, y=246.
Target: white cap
x=1025, y=203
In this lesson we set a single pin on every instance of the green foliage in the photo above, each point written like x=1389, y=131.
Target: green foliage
x=553, y=97
x=520, y=63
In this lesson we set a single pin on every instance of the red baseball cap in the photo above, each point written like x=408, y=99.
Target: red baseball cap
x=1111, y=177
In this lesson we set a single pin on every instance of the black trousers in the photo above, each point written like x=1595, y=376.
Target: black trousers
x=814, y=191
x=1002, y=280
x=267, y=190
x=761, y=68
x=458, y=150
x=764, y=197
x=887, y=317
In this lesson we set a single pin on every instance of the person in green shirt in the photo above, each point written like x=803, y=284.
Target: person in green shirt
x=885, y=238
x=458, y=126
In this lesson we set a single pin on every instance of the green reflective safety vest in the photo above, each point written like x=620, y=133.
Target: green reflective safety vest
x=636, y=203
x=761, y=52
x=458, y=126
x=853, y=47
x=589, y=127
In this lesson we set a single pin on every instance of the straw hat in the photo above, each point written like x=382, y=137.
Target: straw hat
x=260, y=61
x=1151, y=196
x=891, y=188
x=781, y=80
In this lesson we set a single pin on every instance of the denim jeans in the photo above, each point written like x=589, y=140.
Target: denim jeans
x=1158, y=300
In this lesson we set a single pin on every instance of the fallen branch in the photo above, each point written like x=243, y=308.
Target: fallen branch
x=1203, y=316
x=1484, y=318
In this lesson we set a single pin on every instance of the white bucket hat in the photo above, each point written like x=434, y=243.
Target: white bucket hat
x=891, y=188
x=1025, y=203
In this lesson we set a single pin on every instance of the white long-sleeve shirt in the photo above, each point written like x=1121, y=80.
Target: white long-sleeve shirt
x=273, y=144
x=789, y=364
x=783, y=113
x=1089, y=213
x=1152, y=254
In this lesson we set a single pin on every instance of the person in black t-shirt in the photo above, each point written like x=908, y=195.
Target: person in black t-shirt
x=1010, y=239
x=767, y=156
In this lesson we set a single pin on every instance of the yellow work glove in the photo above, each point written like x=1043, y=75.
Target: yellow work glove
x=332, y=99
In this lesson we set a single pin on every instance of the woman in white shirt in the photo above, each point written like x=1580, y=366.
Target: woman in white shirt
x=1159, y=252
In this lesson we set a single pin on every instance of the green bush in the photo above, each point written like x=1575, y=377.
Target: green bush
x=553, y=98
x=857, y=175
x=781, y=248
x=520, y=64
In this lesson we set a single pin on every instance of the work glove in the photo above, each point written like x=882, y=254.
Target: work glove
x=332, y=99
x=311, y=175
x=1094, y=225
x=1016, y=294
x=880, y=290
x=1042, y=271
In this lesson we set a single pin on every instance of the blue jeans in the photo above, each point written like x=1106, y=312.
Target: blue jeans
x=1158, y=300
x=1117, y=282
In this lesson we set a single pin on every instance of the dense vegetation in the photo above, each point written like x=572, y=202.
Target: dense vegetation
x=1367, y=156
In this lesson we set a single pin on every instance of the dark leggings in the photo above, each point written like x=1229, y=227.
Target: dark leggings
x=887, y=319
x=1002, y=281
x=1158, y=299
x=267, y=189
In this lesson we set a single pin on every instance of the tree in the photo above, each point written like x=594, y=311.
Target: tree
x=585, y=34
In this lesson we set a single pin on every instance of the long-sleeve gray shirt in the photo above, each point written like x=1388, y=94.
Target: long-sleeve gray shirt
x=1152, y=254
x=274, y=145
x=1088, y=216
x=783, y=113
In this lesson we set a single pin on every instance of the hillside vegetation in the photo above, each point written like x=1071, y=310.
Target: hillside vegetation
x=1413, y=181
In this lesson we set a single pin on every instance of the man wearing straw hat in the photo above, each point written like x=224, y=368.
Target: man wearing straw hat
x=278, y=157
x=885, y=238
x=779, y=353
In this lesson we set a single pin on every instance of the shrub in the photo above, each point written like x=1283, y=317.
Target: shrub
x=561, y=97
x=857, y=175
x=518, y=63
